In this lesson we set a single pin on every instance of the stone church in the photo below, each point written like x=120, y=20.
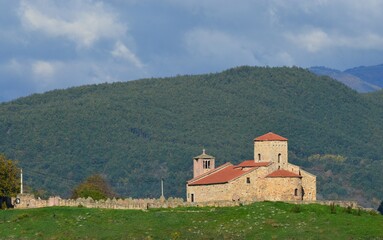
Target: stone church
x=269, y=176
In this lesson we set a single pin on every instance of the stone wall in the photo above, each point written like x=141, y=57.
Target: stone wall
x=269, y=151
x=254, y=190
x=283, y=189
x=207, y=193
x=308, y=182
x=352, y=204
x=28, y=201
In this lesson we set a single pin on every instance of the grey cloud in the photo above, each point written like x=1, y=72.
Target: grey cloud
x=82, y=23
x=58, y=44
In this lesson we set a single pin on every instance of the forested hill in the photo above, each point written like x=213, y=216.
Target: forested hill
x=137, y=132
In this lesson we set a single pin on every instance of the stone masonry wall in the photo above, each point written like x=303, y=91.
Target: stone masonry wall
x=308, y=182
x=282, y=189
x=206, y=193
x=28, y=201
x=270, y=150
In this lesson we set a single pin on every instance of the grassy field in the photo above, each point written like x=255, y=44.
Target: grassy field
x=264, y=220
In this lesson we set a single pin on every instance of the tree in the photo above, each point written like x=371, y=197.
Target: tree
x=95, y=187
x=380, y=208
x=9, y=177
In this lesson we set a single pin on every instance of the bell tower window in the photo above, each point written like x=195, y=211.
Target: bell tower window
x=206, y=164
x=279, y=158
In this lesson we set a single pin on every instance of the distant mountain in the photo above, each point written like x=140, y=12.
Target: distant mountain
x=137, y=132
x=362, y=79
x=370, y=74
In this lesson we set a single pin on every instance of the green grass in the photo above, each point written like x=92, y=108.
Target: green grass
x=264, y=220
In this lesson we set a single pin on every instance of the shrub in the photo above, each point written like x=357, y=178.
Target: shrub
x=95, y=187
x=380, y=208
x=373, y=212
x=332, y=208
x=348, y=209
x=4, y=205
x=359, y=212
x=296, y=208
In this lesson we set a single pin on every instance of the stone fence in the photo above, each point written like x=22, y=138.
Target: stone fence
x=29, y=201
x=352, y=204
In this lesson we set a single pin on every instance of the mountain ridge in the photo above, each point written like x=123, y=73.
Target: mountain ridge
x=362, y=79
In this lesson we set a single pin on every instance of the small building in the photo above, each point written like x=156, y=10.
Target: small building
x=269, y=176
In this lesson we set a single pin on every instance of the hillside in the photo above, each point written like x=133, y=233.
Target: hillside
x=263, y=220
x=376, y=97
x=136, y=133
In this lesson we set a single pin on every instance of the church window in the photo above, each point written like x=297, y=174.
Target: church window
x=296, y=192
x=279, y=158
x=206, y=164
x=247, y=180
x=259, y=157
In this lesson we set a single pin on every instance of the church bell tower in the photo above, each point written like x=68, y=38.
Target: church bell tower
x=271, y=147
x=203, y=163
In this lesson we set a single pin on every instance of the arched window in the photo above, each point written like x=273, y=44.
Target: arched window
x=296, y=192
x=279, y=158
x=259, y=157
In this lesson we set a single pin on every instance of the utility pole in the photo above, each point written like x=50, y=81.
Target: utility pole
x=162, y=188
x=21, y=181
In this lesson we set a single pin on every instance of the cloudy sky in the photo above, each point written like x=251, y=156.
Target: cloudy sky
x=51, y=44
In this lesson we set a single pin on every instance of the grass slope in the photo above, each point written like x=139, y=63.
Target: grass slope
x=136, y=133
x=264, y=220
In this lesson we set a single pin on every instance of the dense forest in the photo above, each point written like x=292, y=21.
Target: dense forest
x=135, y=133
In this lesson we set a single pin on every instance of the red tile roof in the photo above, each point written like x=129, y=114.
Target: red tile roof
x=270, y=137
x=223, y=176
x=283, y=173
x=226, y=173
x=213, y=171
x=252, y=163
